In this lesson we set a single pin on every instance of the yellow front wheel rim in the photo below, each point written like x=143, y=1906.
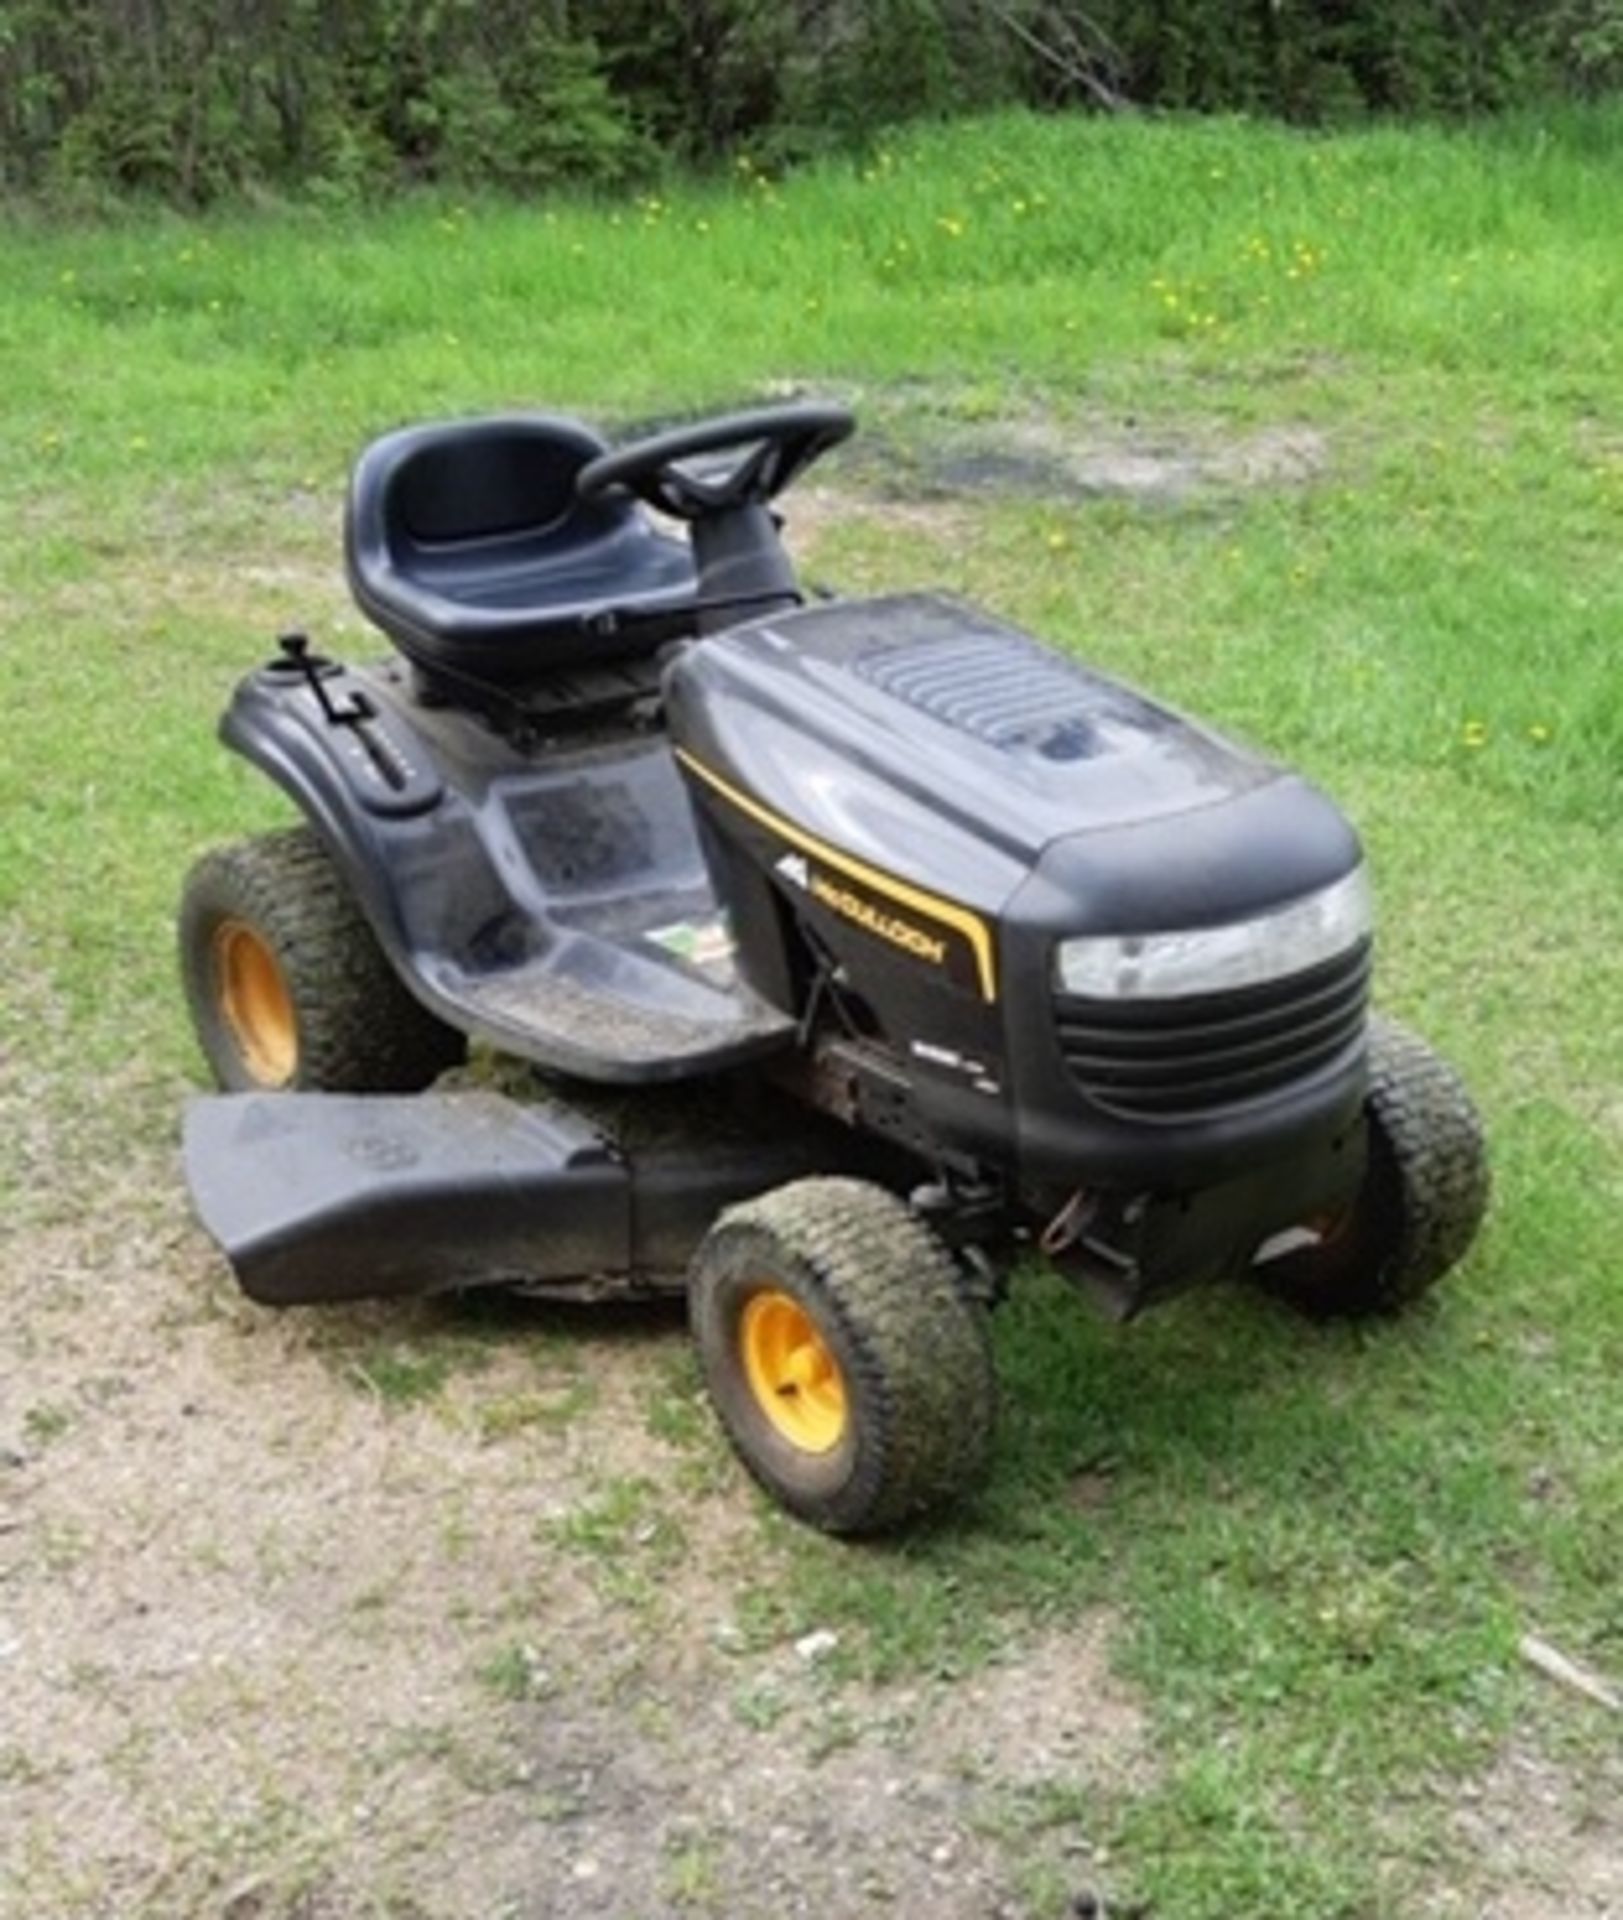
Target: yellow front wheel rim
x=255, y=1001
x=795, y=1378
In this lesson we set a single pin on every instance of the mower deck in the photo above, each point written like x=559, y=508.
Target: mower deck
x=321, y=1197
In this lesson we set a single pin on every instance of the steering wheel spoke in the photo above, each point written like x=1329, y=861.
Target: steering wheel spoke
x=776, y=445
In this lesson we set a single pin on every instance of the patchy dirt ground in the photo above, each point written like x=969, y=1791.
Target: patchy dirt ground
x=295, y=1621
x=407, y=1612
x=945, y=445
x=1546, y=1849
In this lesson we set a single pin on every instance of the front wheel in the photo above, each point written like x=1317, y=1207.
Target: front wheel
x=1424, y=1193
x=850, y=1368
x=286, y=983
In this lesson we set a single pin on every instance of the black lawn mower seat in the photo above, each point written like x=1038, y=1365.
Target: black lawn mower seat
x=467, y=544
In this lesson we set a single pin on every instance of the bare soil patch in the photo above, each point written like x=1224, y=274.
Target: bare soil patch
x=394, y=1611
x=927, y=444
x=1547, y=1844
x=1102, y=460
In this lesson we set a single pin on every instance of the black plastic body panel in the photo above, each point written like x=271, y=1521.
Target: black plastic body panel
x=553, y=900
x=331, y=1197
x=1138, y=1250
x=899, y=805
x=1269, y=845
x=933, y=801
x=322, y=1197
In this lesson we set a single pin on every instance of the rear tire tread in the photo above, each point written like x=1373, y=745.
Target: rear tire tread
x=1435, y=1136
x=1424, y=1194
x=359, y=1029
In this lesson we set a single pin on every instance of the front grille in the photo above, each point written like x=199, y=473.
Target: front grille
x=1189, y=1058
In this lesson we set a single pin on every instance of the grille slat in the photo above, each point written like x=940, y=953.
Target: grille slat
x=1165, y=1059
x=1220, y=1018
x=1213, y=1039
x=1166, y=1070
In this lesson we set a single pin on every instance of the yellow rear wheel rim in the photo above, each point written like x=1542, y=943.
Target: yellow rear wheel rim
x=795, y=1378
x=255, y=1001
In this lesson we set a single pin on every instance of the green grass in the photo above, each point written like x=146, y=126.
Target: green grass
x=1322, y=1546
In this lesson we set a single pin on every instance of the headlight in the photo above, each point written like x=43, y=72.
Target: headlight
x=1244, y=953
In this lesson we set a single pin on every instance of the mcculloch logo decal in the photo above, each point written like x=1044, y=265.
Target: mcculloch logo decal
x=875, y=919
x=937, y=931
x=890, y=917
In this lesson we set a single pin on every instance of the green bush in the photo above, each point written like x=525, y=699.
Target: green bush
x=199, y=101
x=202, y=99
x=1585, y=39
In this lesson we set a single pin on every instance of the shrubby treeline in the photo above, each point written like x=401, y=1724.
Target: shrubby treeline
x=192, y=100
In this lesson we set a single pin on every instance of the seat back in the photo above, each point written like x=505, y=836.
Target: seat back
x=467, y=543
x=429, y=499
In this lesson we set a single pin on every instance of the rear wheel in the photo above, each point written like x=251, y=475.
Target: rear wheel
x=286, y=983
x=1422, y=1200
x=851, y=1370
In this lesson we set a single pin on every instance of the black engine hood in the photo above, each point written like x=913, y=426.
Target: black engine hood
x=955, y=752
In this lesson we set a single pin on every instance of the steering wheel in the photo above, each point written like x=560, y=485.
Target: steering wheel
x=778, y=444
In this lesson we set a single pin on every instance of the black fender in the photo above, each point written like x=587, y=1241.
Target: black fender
x=353, y=767
x=544, y=901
